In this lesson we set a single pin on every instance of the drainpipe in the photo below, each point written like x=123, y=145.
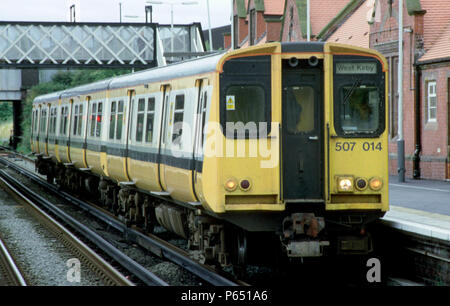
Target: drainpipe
x=418, y=135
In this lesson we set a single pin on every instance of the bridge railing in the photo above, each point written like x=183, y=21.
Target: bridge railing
x=43, y=44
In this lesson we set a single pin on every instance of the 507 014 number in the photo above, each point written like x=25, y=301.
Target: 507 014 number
x=350, y=146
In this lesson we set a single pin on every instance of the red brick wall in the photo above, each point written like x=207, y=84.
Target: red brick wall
x=243, y=30
x=227, y=41
x=273, y=31
x=435, y=134
x=260, y=25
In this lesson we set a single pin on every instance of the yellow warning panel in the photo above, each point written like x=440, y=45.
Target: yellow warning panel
x=231, y=103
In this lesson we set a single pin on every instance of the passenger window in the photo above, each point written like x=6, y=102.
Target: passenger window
x=92, y=121
x=55, y=110
x=75, y=120
x=112, y=121
x=204, y=107
x=80, y=120
x=178, y=120
x=119, y=120
x=98, y=130
x=66, y=114
x=63, y=122
x=34, y=121
x=150, y=120
x=43, y=120
x=140, y=120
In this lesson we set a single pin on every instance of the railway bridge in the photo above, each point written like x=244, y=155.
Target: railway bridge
x=31, y=51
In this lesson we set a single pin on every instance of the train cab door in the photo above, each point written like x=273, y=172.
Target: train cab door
x=163, y=138
x=200, y=121
x=302, y=132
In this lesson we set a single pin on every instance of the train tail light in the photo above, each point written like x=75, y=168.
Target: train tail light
x=375, y=183
x=231, y=184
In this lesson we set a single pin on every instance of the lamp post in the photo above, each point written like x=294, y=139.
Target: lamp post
x=120, y=12
x=148, y=11
x=209, y=25
x=72, y=13
x=171, y=14
x=232, y=25
x=401, y=141
x=308, y=20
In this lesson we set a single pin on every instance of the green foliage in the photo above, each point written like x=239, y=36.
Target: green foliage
x=61, y=81
x=6, y=111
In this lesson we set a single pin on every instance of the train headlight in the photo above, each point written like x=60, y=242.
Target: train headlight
x=345, y=184
x=375, y=183
x=231, y=184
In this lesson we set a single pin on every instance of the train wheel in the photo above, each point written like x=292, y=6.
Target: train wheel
x=240, y=266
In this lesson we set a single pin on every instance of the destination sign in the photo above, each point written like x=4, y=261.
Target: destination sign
x=356, y=68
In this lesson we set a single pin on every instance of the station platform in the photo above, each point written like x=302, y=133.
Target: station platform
x=420, y=206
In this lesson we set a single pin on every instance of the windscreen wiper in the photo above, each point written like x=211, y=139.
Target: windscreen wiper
x=352, y=90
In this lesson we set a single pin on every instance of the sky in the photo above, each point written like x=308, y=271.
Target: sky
x=109, y=11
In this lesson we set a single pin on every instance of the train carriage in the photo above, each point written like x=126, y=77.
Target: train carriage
x=284, y=141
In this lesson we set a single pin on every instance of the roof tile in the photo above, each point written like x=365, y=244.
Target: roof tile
x=440, y=49
x=274, y=7
x=354, y=31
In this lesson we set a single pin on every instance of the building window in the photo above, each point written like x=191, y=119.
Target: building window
x=431, y=101
x=252, y=27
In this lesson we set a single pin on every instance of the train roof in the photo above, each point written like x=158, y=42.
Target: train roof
x=157, y=74
x=177, y=70
x=161, y=74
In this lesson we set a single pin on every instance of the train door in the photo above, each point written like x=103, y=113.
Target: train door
x=131, y=102
x=200, y=121
x=43, y=129
x=302, y=133
x=163, y=138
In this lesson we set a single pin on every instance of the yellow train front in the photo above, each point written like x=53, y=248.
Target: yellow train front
x=283, y=144
x=305, y=148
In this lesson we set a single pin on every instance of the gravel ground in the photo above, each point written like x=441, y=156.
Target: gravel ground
x=170, y=272
x=37, y=251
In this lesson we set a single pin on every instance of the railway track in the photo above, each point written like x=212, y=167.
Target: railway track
x=10, y=274
x=103, y=269
x=151, y=243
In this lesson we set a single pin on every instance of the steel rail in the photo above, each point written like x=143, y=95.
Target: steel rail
x=149, y=242
x=11, y=268
x=31, y=197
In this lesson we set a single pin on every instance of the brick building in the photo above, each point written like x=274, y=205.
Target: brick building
x=426, y=61
x=426, y=81
x=326, y=16
x=256, y=22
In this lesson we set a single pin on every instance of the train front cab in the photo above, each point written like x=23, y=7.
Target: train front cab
x=327, y=112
